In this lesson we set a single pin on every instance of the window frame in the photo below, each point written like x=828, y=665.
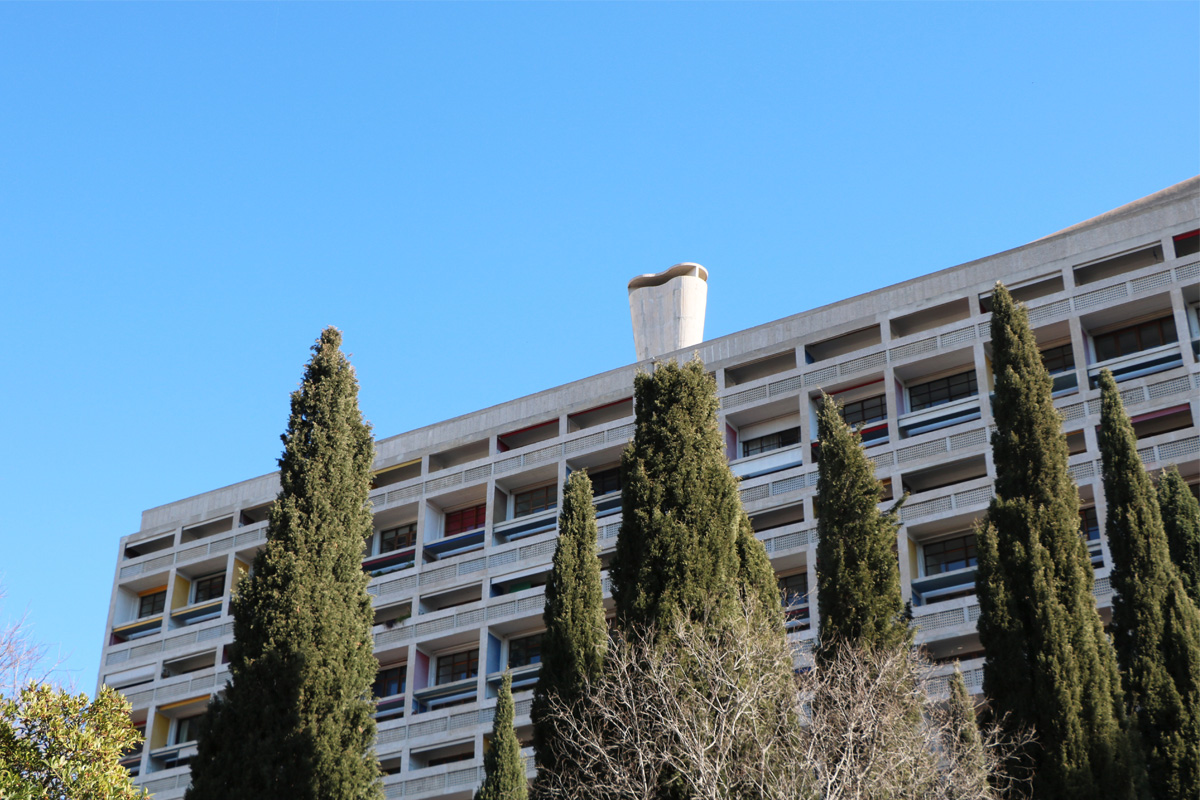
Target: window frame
x=157, y=609
x=208, y=579
x=533, y=656
x=970, y=551
x=603, y=478
x=1162, y=322
x=476, y=513
x=539, y=499
x=972, y=382
x=782, y=439
x=189, y=725
x=470, y=662
x=401, y=671
x=410, y=541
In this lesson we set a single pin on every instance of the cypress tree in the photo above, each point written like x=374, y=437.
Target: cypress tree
x=685, y=543
x=503, y=767
x=1049, y=663
x=858, y=578
x=1181, y=523
x=966, y=744
x=295, y=722
x=576, y=637
x=1156, y=627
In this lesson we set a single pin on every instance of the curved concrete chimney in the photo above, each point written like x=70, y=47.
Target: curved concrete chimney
x=668, y=309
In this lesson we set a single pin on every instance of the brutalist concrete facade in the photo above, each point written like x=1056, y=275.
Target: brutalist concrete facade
x=465, y=517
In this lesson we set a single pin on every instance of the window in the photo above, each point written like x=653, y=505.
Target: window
x=457, y=667
x=950, y=554
x=389, y=682
x=1187, y=244
x=150, y=605
x=542, y=498
x=943, y=390
x=526, y=651
x=210, y=587
x=1135, y=338
x=467, y=519
x=187, y=729
x=1058, y=359
x=399, y=538
x=1089, y=524
x=866, y=411
x=606, y=481
x=772, y=441
x=793, y=589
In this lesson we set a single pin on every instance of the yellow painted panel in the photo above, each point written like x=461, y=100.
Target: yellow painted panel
x=158, y=734
x=138, y=623
x=179, y=703
x=396, y=466
x=182, y=592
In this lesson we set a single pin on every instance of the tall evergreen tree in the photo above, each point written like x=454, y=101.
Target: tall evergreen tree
x=295, y=723
x=1049, y=663
x=1156, y=626
x=966, y=744
x=503, y=767
x=1181, y=522
x=858, y=577
x=685, y=541
x=576, y=637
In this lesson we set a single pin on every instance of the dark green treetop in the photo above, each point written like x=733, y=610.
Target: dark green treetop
x=296, y=720
x=858, y=577
x=686, y=543
x=576, y=636
x=1156, y=626
x=1050, y=666
x=1181, y=522
x=503, y=767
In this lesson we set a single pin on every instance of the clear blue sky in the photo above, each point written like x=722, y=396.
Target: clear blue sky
x=189, y=192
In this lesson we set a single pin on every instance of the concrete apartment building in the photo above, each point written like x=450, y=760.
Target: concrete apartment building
x=465, y=510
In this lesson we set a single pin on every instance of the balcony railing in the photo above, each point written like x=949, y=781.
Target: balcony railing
x=1136, y=365
x=943, y=586
x=528, y=525
x=940, y=416
x=448, y=546
x=197, y=612
x=771, y=461
x=389, y=562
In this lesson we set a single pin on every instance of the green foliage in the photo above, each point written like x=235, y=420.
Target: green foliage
x=503, y=767
x=963, y=729
x=576, y=636
x=858, y=578
x=1181, y=522
x=1049, y=664
x=296, y=721
x=685, y=542
x=1156, y=626
x=59, y=746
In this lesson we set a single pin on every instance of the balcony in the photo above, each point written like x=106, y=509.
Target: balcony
x=940, y=416
x=139, y=629
x=1136, y=365
x=389, y=562
x=768, y=462
x=943, y=586
x=528, y=525
x=522, y=677
x=457, y=544
x=197, y=612
x=446, y=694
x=390, y=707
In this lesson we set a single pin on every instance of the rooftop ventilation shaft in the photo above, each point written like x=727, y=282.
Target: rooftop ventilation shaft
x=668, y=310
